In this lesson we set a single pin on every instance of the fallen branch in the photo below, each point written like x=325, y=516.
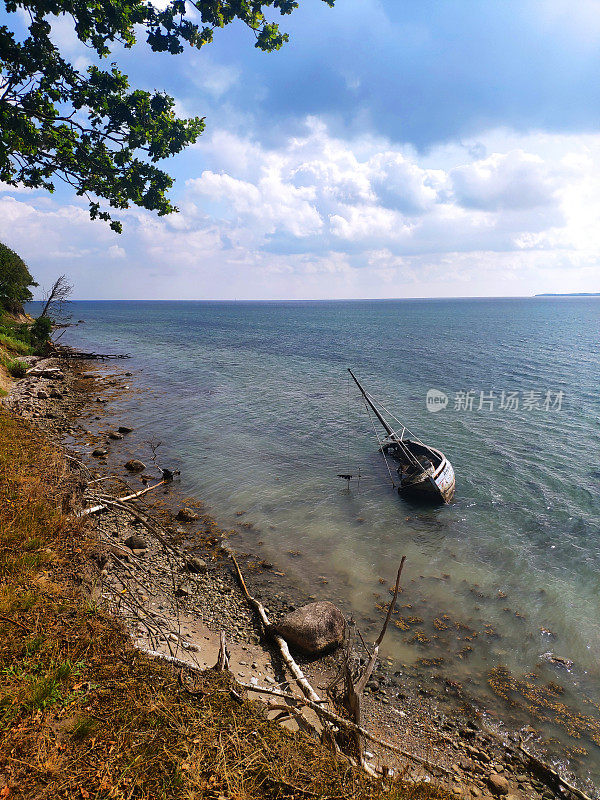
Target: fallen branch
x=548, y=771
x=143, y=518
x=316, y=707
x=354, y=690
x=102, y=506
x=14, y=622
x=223, y=657
x=342, y=722
x=364, y=679
x=304, y=685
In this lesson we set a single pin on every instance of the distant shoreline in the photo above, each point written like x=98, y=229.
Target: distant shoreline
x=568, y=294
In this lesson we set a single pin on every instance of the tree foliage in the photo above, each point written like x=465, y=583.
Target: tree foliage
x=89, y=128
x=15, y=280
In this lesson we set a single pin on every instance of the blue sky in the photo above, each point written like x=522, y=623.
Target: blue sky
x=390, y=149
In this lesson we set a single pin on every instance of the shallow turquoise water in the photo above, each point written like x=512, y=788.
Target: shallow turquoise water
x=253, y=403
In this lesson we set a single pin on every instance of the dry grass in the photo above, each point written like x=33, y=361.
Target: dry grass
x=84, y=715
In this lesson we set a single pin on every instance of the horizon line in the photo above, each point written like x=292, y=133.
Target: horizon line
x=322, y=299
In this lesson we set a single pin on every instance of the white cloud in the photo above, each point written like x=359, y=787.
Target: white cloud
x=514, y=180
x=318, y=216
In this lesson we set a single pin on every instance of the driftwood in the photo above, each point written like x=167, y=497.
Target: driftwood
x=144, y=519
x=345, y=723
x=223, y=657
x=303, y=684
x=354, y=688
x=70, y=353
x=110, y=500
x=551, y=775
x=318, y=709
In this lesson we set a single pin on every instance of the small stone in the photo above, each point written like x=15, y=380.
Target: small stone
x=114, y=435
x=124, y=429
x=43, y=394
x=135, y=542
x=186, y=588
x=498, y=783
x=186, y=515
x=100, y=452
x=55, y=393
x=134, y=465
x=195, y=565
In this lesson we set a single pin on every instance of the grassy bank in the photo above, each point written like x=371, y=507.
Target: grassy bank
x=15, y=341
x=82, y=713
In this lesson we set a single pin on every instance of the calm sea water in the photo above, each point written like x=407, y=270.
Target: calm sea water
x=253, y=403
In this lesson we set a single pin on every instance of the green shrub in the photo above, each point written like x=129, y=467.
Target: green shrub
x=14, y=344
x=17, y=368
x=41, y=329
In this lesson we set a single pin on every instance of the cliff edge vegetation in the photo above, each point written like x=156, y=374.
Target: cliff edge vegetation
x=84, y=714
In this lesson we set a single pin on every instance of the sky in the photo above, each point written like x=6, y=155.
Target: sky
x=391, y=149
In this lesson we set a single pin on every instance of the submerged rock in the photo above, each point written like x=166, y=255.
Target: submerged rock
x=558, y=661
x=115, y=435
x=314, y=628
x=124, y=429
x=134, y=465
x=100, y=452
x=187, y=515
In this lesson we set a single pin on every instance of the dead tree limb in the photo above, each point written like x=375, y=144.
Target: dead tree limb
x=354, y=689
x=144, y=519
x=342, y=722
x=102, y=506
x=551, y=775
x=364, y=678
x=305, y=687
x=222, y=664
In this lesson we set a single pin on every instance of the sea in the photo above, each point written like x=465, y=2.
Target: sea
x=501, y=588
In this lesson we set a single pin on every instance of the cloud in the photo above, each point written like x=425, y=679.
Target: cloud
x=515, y=180
x=321, y=216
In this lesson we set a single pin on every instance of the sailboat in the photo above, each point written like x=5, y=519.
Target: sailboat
x=423, y=471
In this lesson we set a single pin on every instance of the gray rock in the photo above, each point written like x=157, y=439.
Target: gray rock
x=498, y=783
x=186, y=588
x=195, y=565
x=135, y=542
x=186, y=515
x=100, y=452
x=314, y=628
x=133, y=465
x=114, y=435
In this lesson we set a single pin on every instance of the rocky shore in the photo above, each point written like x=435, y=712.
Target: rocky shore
x=177, y=595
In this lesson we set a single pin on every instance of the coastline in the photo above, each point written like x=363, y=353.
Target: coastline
x=464, y=745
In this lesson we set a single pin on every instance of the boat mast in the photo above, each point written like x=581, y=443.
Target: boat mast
x=389, y=430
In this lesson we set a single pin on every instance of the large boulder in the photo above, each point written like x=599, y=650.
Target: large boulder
x=134, y=465
x=498, y=784
x=314, y=628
